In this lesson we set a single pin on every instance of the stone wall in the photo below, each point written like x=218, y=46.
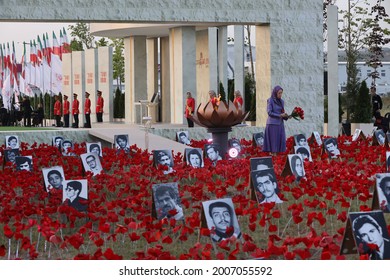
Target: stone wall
x=295, y=30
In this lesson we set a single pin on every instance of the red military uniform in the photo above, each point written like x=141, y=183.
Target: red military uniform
x=190, y=107
x=66, y=111
x=87, y=111
x=87, y=106
x=57, y=108
x=238, y=100
x=99, y=107
x=66, y=107
x=75, y=107
x=57, y=111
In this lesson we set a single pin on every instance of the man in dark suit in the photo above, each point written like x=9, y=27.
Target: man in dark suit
x=73, y=190
x=368, y=231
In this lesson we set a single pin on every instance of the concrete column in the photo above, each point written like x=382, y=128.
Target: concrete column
x=263, y=72
x=222, y=58
x=239, y=70
x=165, y=106
x=152, y=75
x=202, y=68
x=78, y=69
x=183, y=69
x=67, y=84
x=333, y=73
x=91, y=78
x=105, y=81
x=135, y=77
x=213, y=59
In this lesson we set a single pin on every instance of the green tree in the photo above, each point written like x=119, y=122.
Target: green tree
x=362, y=112
x=82, y=37
x=352, y=36
x=103, y=42
x=376, y=40
x=118, y=60
x=119, y=104
x=221, y=92
x=250, y=97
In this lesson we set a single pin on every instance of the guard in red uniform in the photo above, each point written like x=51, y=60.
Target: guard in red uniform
x=99, y=107
x=75, y=111
x=66, y=111
x=190, y=107
x=57, y=111
x=87, y=111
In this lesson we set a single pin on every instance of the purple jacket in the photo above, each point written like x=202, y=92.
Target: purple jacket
x=274, y=110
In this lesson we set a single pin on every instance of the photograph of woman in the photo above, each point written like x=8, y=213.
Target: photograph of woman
x=296, y=164
x=274, y=134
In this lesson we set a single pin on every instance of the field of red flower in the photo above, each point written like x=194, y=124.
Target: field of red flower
x=308, y=225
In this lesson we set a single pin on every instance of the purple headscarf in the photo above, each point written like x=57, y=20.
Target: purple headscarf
x=275, y=91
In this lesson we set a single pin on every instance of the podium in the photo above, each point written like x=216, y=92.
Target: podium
x=148, y=108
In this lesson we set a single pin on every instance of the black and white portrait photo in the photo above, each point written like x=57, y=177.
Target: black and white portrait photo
x=387, y=161
x=221, y=219
x=67, y=147
x=10, y=155
x=265, y=186
x=57, y=141
x=297, y=167
x=167, y=201
x=235, y=144
x=194, y=157
x=261, y=163
x=75, y=194
x=12, y=142
x=212, y=152
x=122, y=143
x=300, y=140
x=331, y=147
x=95, y=148
x=304, y=151
x=163, y=157
x=370, y=228
x=53, y=177
x=91, y=162
x=183, y=138
x=258, y=139
x=317, y=137
x=356, y=134
x=383, y=191
x=380, y=136
x=24, y=163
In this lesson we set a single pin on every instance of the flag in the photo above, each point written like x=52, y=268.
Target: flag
x=56, y=67
x=14, y=70
x=6, y=93
x=48, y=50
x=1, y=66
x=65, y=44
x=39, y=50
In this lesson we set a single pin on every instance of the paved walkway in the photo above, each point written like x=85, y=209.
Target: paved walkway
x=137, y=135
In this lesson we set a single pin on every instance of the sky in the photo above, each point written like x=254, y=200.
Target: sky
x=24, y=32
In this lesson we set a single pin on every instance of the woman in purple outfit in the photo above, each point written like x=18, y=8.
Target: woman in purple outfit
x=274, y=134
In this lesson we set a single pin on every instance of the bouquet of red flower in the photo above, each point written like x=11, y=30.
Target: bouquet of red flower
x=298, y=113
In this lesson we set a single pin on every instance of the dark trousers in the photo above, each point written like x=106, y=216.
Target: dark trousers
x=190, y=122
x=76, y=121
x=27, y=119
x=58, y=120
x=99, y=117
x=87, y=121
x=66, y=120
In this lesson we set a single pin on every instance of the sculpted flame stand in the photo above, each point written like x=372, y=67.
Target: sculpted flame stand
x=219, y=120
